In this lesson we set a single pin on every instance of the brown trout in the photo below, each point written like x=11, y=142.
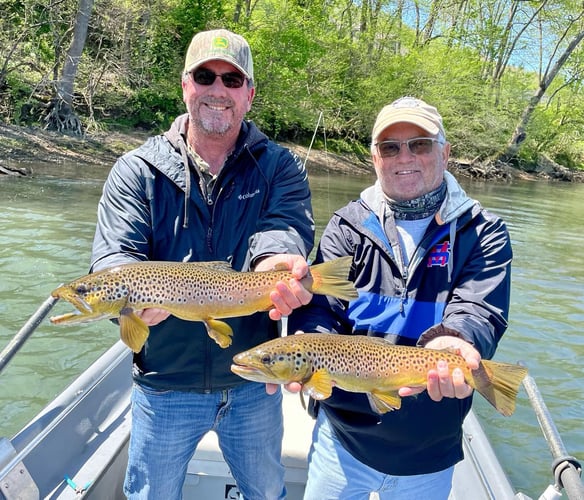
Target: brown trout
x=371, y=365
x=194, y=291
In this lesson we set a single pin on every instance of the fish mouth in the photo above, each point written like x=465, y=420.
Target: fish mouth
x=75, y=300
x=254, y=374
x=245, y=369
x=63, y=318
x=83, y=309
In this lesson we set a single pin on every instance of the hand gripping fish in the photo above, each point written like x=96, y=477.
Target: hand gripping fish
x=371, y=365
x=194, y=291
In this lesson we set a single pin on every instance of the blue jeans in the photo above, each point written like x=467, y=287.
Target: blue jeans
x=334, y=474
x=168, y=425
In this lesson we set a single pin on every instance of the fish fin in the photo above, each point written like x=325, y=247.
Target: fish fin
x=382, y=402
x=219, y=331
x=498, y=383
x=319, y=386
x=330, y=278
x=133, y=331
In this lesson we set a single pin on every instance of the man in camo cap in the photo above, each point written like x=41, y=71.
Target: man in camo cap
x=211, y=188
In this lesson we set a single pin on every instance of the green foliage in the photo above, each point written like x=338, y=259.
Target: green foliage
x=287, y=102
x=338, y=60
x=173, y=31
x=151, y=109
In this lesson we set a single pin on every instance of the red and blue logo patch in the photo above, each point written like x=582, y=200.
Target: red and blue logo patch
x=439, y=255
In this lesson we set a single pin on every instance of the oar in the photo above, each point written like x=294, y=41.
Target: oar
x=566, y=468
x=26, y=331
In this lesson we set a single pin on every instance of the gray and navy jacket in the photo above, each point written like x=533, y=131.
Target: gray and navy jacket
x=153, y=209
x=457, y=283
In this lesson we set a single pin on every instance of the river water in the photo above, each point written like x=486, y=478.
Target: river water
x=46, y=227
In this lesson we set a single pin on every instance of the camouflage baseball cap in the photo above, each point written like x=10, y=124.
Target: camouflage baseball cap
x=222, y=45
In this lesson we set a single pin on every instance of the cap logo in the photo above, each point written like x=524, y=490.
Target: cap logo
x=406, y=102
x=220, y=42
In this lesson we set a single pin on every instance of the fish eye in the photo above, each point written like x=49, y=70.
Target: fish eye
x=266, y=359
x=82, y=288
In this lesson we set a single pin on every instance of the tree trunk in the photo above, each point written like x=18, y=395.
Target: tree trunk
x=61, y=116
x=520, y=131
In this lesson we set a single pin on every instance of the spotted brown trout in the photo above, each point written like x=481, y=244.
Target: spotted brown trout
x=371, y=365
x=194, y=291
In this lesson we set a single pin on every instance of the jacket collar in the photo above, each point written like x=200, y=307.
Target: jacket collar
x=455, y=204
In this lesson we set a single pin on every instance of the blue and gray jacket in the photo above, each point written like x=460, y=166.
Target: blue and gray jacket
x=457, y=283
x=153, y=209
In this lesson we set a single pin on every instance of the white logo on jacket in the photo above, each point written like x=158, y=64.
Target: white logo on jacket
x=248, y=195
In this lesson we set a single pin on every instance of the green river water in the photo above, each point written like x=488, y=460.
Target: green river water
x=46, y=228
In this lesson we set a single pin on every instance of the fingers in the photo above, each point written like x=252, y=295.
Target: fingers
x=464, y=348
x=461, y=388
x=291, y=387
x=288, y=296
x=433, y=386
x=272, y=388
x=410, y=391
x=470, y=355
x=442, y=384
x=296, y=263
x=152, y=316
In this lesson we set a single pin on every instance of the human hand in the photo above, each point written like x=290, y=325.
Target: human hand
x=152, y=316
x=291, y=387
x=440, y=382
x=288, y=295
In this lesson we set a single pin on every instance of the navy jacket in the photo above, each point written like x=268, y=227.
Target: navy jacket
x=458, y=279
x=151, y=210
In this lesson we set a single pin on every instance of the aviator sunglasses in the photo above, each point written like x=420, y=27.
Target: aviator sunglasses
x=232, y=80
x=416, y=146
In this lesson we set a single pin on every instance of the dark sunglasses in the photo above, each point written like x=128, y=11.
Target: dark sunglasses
x=232, y=80
x=416, y=146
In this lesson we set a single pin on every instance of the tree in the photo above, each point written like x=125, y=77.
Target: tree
x=61, y=115
x=573, y=33
x=519, y=133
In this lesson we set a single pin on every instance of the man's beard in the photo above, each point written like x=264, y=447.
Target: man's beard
x=213, y=125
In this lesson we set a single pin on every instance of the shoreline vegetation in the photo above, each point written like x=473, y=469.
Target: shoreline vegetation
x=21, y=147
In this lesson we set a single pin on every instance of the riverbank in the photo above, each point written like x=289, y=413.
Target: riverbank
x=22, y=147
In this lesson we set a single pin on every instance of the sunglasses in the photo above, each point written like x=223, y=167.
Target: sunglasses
x=232, y=80
x=416, y=146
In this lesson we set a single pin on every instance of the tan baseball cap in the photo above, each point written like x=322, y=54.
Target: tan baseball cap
x=222, y=45
x=409, y=110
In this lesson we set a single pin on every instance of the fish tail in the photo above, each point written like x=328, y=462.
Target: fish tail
x=499, y=383
x=330, y=278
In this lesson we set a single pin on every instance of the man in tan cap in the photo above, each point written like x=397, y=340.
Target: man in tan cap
x=432, y=268
x=212, y=188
